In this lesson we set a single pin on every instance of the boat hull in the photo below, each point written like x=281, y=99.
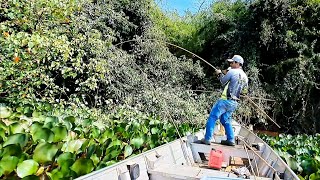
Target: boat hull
x=181, y=159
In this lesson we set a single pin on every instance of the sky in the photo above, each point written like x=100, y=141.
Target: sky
x=183, y=5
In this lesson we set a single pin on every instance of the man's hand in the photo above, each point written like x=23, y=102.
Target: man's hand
x=218, y=71
x=224, y=71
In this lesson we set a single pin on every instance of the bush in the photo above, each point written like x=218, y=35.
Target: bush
x=66, y=54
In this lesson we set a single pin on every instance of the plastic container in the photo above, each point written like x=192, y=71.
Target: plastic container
x=215, y=159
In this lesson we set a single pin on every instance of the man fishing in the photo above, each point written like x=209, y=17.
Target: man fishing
x=235, y=82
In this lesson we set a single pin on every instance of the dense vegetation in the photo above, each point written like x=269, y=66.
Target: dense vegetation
x=68, y=89
x=66, y=78
x=279, y=37
x=44, y=142
x=301, y=152
x=64, y=54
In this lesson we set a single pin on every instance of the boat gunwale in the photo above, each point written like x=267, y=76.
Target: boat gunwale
x=293, y=174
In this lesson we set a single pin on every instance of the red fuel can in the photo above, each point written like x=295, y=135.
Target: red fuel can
x=215, y=159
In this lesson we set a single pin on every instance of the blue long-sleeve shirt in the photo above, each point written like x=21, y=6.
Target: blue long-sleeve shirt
x=235, y=82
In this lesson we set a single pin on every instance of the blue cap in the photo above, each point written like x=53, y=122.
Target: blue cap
x=236, y=58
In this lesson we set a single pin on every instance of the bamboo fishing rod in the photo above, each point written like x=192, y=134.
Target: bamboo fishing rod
x=247, y=97
x=133, y=40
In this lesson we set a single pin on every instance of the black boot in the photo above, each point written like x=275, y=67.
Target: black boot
x=228, y=143
x=203, y=141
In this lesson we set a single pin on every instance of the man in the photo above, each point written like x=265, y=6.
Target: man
x=235, y=82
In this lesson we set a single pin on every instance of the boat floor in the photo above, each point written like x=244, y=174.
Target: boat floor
x=174, y=172
x=200, y=170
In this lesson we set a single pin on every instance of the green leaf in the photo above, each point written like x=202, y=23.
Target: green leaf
x=136, y=142
x=136, y=125
x=112, y=153
x=41, y=118
x=308, y=165
x=47, y=107
x=27, y=167
x=48, y=125
x=65, y=161
x=91, y=149
x=95, y=159
x=70, y=119
x=27, y=110
x=68, y=125
x=60, y=133
x=100, y=149
x=33, y=177
x=155, y=139
x=115, y=143
x=24, y=156
x=127, y=151
x=55, y=174
x=45, y=152
x=51, y=119
x=35, y=127
x=19, y=109
x=103, y=164
x=63, y=157
x=3, y=126
x=154, y=130
x=5, y=112
x=154, y=122
x=21, y=139
x=8, y=164
x=16, y=128
x=11, y=150
x=144, y=130
x=87, y=122
x=43, y=133
x=100, y=166
x=30, y=44
x=109, y=163
x=314, y=176
x=2, y=134
x=36, y=114
x=106, y=135
x=300, y=177
x=72, y=146
x=85, y=145
x=81, y=130
x=293, y=164
x=95, y=132
x=11, y=15
x=82, y=166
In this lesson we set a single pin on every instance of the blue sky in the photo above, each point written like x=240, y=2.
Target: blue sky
x=183, y=5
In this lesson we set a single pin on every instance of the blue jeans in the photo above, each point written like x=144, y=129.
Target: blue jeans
x=222, y=110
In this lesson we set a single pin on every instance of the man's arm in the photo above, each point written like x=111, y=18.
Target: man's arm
x=225, y=78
